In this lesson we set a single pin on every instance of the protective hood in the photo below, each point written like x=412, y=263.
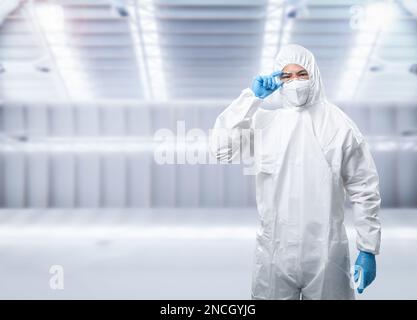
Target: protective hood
x=296, y=54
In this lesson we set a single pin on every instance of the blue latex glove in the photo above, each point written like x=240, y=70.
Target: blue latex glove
x=263, y=86
x=366, y=265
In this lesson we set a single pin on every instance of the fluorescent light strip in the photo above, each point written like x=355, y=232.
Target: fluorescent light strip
x=151, y=58
x=173, y=144
x=377, y=15
x=271, y=35
x=51, y=18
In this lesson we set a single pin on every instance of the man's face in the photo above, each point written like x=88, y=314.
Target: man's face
x=292, y=72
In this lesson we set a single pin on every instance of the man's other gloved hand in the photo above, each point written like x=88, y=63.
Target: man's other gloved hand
x=366, y=265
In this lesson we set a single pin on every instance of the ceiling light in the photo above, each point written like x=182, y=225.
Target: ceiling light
x=379, y=15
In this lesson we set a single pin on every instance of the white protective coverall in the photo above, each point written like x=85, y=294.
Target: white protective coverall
x=307, y=161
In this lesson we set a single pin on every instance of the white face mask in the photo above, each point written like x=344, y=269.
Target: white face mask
x=296, y=92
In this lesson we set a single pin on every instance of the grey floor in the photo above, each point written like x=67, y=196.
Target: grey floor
x=165, y=254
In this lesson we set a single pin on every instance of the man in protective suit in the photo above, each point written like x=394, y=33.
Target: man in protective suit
x=309, y=158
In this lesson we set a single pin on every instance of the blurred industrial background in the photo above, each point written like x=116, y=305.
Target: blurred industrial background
x=84, y=87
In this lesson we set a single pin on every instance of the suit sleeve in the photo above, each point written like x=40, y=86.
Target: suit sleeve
x=230, y=137
x=361, y=182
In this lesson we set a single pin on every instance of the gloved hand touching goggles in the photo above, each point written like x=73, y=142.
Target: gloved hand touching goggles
x=286, y=77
